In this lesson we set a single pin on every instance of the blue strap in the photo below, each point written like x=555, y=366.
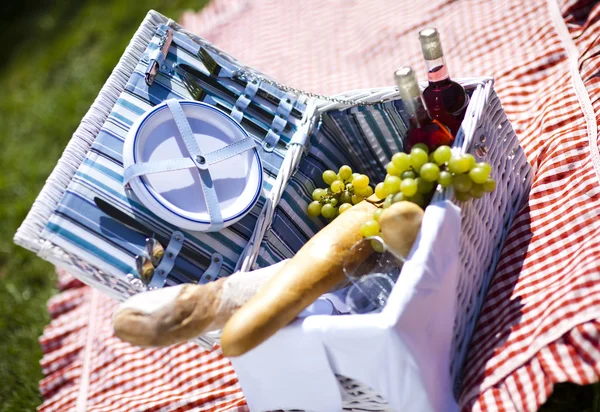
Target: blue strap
x=208, y=185
x=146, y=168
x=244, y=100
x=212, y=272
x=169, y=165
x=168, y=260
x=185, y=130
x=279, y=122
x=231, y=150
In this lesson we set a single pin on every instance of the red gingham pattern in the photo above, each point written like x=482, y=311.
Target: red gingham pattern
x=123, y=377
x=538, y=324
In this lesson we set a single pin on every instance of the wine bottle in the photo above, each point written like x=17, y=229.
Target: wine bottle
x=422, y=127
x=446, y=100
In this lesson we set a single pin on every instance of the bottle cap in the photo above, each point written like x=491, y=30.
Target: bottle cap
x=430, y=44
x=408, y=87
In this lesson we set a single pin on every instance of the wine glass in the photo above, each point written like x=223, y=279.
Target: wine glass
x=373, y=270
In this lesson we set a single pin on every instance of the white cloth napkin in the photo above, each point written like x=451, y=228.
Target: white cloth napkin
x=403, y=353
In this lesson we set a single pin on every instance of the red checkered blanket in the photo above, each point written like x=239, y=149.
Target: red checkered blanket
x=538, y=325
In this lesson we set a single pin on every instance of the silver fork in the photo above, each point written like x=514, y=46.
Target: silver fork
x=196, y=92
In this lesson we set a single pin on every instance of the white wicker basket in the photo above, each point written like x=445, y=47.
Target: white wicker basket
x=485, y=132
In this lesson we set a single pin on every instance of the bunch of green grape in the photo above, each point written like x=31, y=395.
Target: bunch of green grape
x=414, y=177
x=345, y=189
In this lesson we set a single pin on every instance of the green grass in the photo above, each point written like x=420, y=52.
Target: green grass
x=59, y=56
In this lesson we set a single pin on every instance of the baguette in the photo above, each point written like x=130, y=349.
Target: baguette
x=176, y=314
x=400, y=225
x=313, y=271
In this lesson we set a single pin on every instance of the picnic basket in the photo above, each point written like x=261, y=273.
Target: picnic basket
x=308, y=134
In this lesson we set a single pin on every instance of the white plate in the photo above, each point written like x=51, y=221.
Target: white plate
x=177, y=196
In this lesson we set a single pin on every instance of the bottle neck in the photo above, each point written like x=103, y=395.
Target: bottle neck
x=419, y=115
x=437, y=70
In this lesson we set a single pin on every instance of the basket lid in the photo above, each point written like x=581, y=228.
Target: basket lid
x=192, y=165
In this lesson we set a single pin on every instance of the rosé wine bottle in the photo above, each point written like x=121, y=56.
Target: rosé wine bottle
x=422, y=128
x=446, y=100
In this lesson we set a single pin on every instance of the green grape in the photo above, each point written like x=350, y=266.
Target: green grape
x=401, y=161
x=471, y=159
x=370, y=228
x=421, y=146
x=377, y=246
x=430, y=172
x=392, y=170
x=418, y=157
x=337, y=186
x=462, y=183
x=366, y=192
x=485, y=166
x=350, y=179
x=345, y=197
x=479, y=175
x=462, y=196
x=442, y=154
x=423, y=186
x=318, y=194
x=392, y=184
x=355, y=175
x=328, y=211
x=445, y=179
x=350, y=187
x=398, y=197
x=408, y=187
x=329, y=176
x=409, y=174
x=489, y=185
x=377, y=213
x=314, y=208
x=418, y=199
x=458, y=164
x=333, y=202
x=388, y=201
x=345, y=172
x=380, y=191
x=356, y=199
x=344, y=207
x=360, y=181
x=476, y=191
